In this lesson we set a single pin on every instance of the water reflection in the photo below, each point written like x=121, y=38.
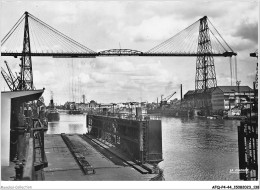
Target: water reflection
x=53, y=128
x=74, y=128
x=199, y=149
x=68, y=124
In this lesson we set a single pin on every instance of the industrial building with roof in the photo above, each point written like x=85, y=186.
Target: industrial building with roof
x=217, y=99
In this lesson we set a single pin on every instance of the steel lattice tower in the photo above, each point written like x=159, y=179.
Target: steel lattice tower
x=256, y=77
x=255, y=54
x=26, y=80
x=205, y=69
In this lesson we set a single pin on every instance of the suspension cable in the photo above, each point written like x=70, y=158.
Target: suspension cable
x=12, y=29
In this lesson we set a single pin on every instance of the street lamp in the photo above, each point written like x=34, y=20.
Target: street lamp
x=230, y=98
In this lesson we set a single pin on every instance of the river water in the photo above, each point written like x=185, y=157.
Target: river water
x=68, y=124
x=193, y=149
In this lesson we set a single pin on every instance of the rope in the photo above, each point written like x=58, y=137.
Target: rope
x=12, y=30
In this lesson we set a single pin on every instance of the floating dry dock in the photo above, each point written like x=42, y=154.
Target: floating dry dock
x=140, y=137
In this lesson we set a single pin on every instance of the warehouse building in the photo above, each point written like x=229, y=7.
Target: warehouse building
x=220, y=98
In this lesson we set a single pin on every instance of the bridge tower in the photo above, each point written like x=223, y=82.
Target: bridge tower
x=205, y=69
x=26, y=74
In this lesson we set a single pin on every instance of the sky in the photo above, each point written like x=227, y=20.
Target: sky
x=138, y=25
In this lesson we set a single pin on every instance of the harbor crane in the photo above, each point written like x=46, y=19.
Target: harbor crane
x=164, y=100
x=11, y=81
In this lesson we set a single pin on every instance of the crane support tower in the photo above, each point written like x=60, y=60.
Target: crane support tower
x=205, y=68
x=26, y=61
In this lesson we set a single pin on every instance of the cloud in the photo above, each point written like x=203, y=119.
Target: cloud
x=156, y=28
x=135, y=25
x=43, y=78
x=203, y=8
x=243, y=45
x=251, y=75
x=170, y=86
x=99, y=77
x=84, y=78
x=248, y=31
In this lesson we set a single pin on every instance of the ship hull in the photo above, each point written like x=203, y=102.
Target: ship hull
x=53, y=116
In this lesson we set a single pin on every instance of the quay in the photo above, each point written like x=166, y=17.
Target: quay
x=62, y=166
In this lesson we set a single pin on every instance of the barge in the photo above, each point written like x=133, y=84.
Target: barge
x=138, y=136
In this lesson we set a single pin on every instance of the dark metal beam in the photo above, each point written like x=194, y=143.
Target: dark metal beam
x=93, y=55
x=253, y=55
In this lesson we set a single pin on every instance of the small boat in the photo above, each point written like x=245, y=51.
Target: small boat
x=73, y=109
x=52, y=114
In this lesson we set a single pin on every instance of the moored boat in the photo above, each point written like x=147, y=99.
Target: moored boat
x=52, y=114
